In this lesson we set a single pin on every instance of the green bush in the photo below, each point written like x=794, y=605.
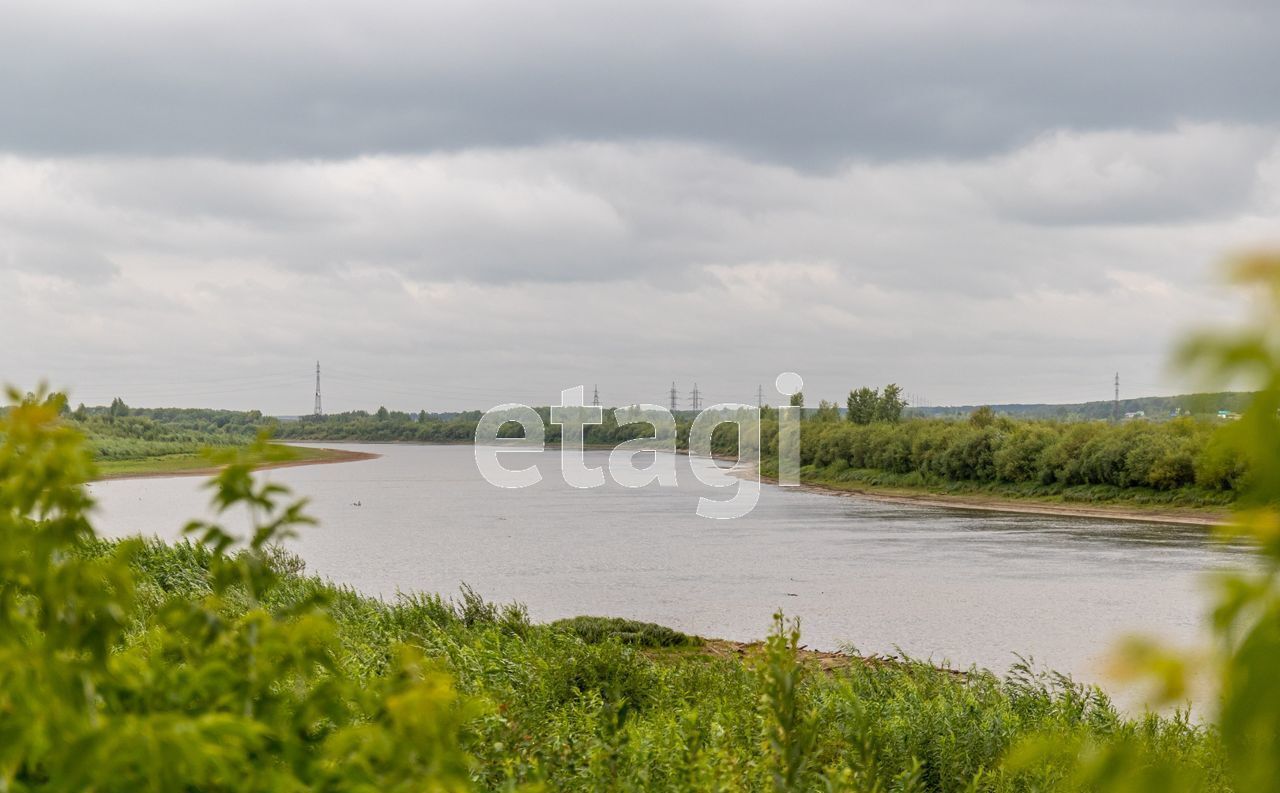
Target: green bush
x=106, y=685
x=596, y=630
x=1177, y=461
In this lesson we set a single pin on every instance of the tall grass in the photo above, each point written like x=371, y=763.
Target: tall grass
x=582, y=705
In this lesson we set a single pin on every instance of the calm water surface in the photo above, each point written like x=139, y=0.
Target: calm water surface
x=968, y=587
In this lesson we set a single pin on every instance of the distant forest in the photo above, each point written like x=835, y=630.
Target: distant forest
x=1155, y=408
x=1173, y=455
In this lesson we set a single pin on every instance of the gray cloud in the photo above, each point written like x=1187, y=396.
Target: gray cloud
x=811, y=84
x=451, y=280
x=657, y=212
x=1122, y=177
x=461, y=204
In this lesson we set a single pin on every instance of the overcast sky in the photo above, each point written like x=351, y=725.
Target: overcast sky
x=456, y=204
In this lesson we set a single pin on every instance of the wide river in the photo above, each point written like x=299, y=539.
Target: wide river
x=962, y=586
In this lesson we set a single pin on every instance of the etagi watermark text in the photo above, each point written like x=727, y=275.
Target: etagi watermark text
x=574, y=416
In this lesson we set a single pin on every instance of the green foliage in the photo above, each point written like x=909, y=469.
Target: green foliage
x=1185, y=460
x=124, y=433
x=574, y=715
x=862, y=405
x=891, y=404
x=1247, y=616
x=827, y=411
x=1202, y=405
x=866, y=405
x=791, y=726
x=598, y=630
x=102, y=688
x=983, y=417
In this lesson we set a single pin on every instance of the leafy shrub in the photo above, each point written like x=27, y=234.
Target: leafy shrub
x=596, y=630
x=200, y=697
x=1017, y=459
x=1179, y=458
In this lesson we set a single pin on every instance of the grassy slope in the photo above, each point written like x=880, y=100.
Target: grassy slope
x=582, y=704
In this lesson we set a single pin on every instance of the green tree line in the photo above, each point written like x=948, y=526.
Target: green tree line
x=875, y=440
x=1166, y=456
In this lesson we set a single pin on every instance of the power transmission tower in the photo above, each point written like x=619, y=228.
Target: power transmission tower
x=695, y=399
x=319, y=411
x=595, y=398
x=674, y=398
x=1115, y=406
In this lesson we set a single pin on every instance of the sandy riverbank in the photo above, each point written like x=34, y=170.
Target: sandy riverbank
x=985, y=503
x=329, y=456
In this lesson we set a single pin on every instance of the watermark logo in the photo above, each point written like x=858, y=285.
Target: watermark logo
x=496, y=451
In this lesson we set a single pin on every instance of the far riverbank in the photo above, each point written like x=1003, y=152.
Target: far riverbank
x=1185, y=516
x=198, y=465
